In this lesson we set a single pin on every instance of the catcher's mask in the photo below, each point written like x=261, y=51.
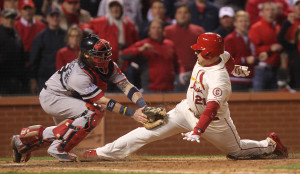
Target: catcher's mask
x=99, y=51
x=209, y=45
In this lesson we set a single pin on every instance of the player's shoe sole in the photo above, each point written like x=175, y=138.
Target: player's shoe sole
x=89, y=155
x=280, y=150
x=68, y=157
x=16, y=155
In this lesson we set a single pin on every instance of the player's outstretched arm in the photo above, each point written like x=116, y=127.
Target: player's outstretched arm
x=116, y=107
x=132, y=93
x=207, y=116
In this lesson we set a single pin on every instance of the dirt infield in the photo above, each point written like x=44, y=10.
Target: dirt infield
x=139, y=164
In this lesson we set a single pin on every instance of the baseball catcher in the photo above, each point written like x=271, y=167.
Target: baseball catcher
x=156, y=116
x=75, y=94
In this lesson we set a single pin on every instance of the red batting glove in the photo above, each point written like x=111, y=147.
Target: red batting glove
x=194, y=135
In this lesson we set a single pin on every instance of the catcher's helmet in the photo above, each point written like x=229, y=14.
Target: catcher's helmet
x=210, y=44
x=99, y=50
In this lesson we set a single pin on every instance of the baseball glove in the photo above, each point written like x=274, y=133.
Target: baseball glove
x=155, y=115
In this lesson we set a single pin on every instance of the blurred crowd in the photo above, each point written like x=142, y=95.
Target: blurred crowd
x=150, y=40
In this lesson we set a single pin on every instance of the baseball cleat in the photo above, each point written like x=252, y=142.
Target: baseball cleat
x=66, y=157
x=17, y=156
x=280, y=149
x=89, y=155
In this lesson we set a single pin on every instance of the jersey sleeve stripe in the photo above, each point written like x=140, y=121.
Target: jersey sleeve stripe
x=91, y=74
x=101, y=94
x=121, y=81
x=90, y=94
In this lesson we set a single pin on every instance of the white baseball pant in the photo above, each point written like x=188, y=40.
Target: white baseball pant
x=221, y=133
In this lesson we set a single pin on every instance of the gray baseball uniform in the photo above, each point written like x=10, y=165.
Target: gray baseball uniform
x=67, y=92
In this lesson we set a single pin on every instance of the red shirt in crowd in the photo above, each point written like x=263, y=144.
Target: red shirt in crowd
x=110, y=32
x=160, y=64
x=290, y=34
x=66, y=55
x=183, y=38
x=253, y=7
x=28, y=31
x=239, y=49
x=263, y=34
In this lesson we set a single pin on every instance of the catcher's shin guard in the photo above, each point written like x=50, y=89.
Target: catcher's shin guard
x=78, y=133
x=30, y=139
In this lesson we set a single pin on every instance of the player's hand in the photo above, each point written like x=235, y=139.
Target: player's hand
x=145, y=47
x=139, y=116
x=184, y=78
x=191, y=136
x=291, y=17
x=240, y=71
x=276, y=47
x=263, y=56
x=250, y=60
x=34, y=87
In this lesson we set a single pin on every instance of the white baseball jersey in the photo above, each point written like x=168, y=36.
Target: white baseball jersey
x=207, y=84
x=210, y=84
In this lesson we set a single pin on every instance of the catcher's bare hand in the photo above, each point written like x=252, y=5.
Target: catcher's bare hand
x=139, y=116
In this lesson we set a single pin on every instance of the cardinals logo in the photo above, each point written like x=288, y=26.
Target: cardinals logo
x=217, y=92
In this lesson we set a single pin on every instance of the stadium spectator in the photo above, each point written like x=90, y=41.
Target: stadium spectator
x=10, y=4
x=132, y=10
x=71, y=51
x=38, y=9
x=172, y=6
x=239, y=46
x=254, y=9
x=235, y=4
x=226, y=15
x=294, y=17
x=116, y=28
x=157, y=11
x=263, y=34
x=156, y=58
x=90, y=6
x=43, y=51
x=186, y=56
x=205, y=14
x=26, y=26
x=292, y=48
x=71, y=13
x=11, y=55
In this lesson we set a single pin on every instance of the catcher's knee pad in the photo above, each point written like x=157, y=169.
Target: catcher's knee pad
x=78, y=133
x=32, y=138
x=60, y=130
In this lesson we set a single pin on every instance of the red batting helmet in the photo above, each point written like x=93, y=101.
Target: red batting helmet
x=210, y=44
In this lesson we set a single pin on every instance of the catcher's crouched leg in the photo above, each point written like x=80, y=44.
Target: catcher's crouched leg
x=30, y=139
x=69, y=133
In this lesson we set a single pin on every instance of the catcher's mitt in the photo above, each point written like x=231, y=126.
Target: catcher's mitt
x=155, y=115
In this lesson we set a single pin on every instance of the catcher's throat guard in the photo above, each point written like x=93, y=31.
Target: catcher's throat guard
x=156, y=116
